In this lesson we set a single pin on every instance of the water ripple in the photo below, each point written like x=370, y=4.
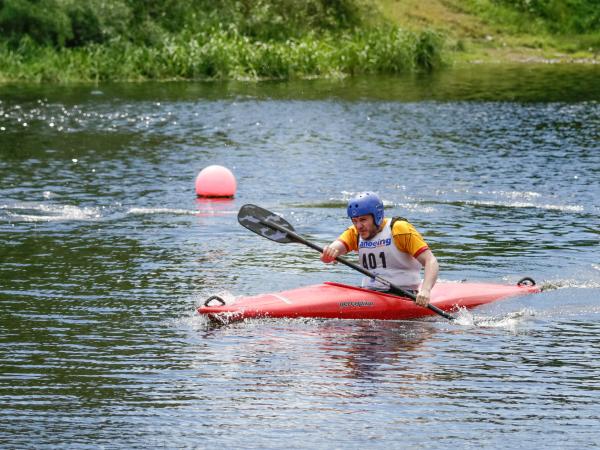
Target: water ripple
x=106, y=252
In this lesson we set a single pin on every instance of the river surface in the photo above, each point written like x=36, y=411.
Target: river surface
x=105, y=253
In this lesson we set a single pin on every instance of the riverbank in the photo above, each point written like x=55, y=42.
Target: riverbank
x=390, y=38
x=485, y=32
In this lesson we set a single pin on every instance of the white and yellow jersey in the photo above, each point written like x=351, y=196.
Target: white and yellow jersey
x=391, y=254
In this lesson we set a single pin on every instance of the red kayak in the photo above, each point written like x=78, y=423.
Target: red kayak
x=341, y=301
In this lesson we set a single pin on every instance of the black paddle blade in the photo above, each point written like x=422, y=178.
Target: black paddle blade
x=258, y=220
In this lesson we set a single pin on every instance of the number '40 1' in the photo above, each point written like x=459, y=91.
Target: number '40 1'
x=369, y=261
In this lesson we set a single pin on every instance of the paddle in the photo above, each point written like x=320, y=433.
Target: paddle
x=271, y=226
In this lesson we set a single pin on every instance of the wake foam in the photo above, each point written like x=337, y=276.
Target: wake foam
x=551, y=285
x=40, y=212
x=171, y=211
x=510, y=321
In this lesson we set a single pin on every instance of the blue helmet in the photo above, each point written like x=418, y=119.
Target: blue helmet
x=366, y=203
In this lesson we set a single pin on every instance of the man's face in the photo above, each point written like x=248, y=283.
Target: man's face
x=365, y=225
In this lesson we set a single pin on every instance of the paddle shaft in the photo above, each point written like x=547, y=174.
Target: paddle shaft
x=393, y=288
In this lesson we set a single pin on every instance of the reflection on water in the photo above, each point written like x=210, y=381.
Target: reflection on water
x=506, y=83
x=368, y=348
x=105, y=252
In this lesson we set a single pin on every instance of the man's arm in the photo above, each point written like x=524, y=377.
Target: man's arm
x=432, y=268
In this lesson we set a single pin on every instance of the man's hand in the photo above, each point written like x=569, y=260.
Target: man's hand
x=329, y=254
x=423, y=297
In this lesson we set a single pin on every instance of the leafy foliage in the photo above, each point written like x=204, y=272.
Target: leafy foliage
x=226, y=54
x=561, y=16
x=66, y=40
x=75, y=23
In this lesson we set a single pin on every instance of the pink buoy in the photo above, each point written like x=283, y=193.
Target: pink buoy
x=215, y=181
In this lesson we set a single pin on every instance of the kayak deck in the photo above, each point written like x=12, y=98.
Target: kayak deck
x=341, y=301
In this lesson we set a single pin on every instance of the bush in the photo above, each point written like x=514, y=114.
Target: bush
x=63, y=23
x=561, y=16
x=97, y=21
x=76, y=23
x=260, y=19
x=42, y=21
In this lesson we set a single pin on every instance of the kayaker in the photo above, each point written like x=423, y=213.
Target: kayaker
x=390, y=248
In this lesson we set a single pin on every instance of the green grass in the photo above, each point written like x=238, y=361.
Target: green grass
x=503, y=30
x=227, y=54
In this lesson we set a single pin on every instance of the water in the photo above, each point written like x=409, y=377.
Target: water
x=106, y=252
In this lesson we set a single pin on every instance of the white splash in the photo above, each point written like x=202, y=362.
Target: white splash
x=195, y=321
x=517, y=194
x=192, y=321
x=550, y=285
x=50, y=213
x=510, y=321
x=415, y=207
x=179, y=212
x=174, y=211
x=549, y=207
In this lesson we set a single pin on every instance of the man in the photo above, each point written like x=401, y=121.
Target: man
x=392, y=249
